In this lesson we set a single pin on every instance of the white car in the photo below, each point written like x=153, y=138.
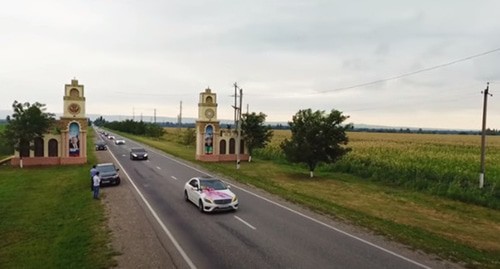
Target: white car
x=210, y=194
x=119, y=142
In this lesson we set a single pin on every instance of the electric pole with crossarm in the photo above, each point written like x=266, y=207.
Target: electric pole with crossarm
x=483, y=136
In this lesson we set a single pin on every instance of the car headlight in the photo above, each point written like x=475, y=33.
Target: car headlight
x=207, y=200
x=133, y=154
x=146, y=155
x=115, y=176
x=235, y=199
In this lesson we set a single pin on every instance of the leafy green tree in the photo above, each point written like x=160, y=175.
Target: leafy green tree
x=154, y=130
x=28, y=122
x=316, y=137
x=188, y=137
x=254, y=133
x=100, y=121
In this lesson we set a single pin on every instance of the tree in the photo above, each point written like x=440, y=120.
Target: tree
x=154, y=130
x=100, y=121
x=316, y=137
x=28, y=122
x=255, y=134
x=188, y=137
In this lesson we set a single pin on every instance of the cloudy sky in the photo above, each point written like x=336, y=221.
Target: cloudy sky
x=137, y=56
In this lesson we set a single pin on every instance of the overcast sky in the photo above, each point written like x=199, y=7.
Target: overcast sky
x=135, y=56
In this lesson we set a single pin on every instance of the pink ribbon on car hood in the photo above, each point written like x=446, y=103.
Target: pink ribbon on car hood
x=213, y=194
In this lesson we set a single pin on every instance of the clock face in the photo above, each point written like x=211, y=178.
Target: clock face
x=74, y=108
x=209, y=113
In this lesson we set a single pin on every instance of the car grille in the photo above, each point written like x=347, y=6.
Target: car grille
x=222, y=202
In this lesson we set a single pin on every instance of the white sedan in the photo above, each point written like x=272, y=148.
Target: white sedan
x=210, y=194
x=119, y=142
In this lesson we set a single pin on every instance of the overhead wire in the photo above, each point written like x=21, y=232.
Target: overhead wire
x=411, y=73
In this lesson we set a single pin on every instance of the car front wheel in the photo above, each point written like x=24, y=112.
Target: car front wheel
x=200, y=206
x=186, y=196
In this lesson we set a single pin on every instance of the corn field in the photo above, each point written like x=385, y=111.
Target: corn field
x=446, y=165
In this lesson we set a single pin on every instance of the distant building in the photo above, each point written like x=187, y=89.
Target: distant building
x=67, y=141
x=214, y=144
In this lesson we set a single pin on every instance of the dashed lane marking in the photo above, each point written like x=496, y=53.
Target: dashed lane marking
x=246, y=223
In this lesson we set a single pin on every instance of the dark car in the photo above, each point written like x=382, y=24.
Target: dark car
x=101, y=145
x=138, y=154
x=108, y=173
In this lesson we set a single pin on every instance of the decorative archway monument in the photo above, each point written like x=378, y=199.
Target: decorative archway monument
x=67, y=141
x=215, y=144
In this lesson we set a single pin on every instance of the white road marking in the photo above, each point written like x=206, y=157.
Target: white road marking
x=159, y=168
x=246, y=223
x=155, y=215
x=174, y=177
x=123, y=155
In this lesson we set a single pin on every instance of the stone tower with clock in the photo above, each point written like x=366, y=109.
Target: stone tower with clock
x=73, y=124
x=214, y=144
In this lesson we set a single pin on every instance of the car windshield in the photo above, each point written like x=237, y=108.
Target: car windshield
x=212, y=184
x=138, y=150
x=106, y=168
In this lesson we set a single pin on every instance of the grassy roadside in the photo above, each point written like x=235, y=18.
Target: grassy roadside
x=453, y=230
x=49, y=220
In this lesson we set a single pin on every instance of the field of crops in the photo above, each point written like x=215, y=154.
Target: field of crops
x=440, y=164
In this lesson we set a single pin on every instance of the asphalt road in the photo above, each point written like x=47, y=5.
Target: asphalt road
x=265, y=232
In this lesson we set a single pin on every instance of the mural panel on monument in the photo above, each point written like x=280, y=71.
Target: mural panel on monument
x=209, y=139
x=74, y=140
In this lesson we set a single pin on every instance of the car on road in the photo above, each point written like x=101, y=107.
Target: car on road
x=100, y=145
x=119, y=141
x=108, y=174
x=210, y=194
x=138, y=154
x=111, y=137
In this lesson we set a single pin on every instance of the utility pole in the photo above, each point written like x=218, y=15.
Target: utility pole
x=237, y=122
x=179, y=118
x=483, y=136
x=238, y=144
x=235, y=105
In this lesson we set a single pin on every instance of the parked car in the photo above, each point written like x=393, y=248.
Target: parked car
x=100, y=145
x=108, y=174
x=119, y=141
x=138, y=154
x=210, y=194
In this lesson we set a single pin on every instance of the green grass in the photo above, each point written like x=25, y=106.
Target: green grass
x=450, y=229
x=49, y=219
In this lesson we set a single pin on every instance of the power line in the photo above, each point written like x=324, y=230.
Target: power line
x=412, y=73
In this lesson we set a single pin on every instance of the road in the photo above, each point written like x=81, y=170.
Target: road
x=265, y=232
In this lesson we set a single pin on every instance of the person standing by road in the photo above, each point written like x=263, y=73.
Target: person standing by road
x=93, y=171
x=97, y=182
